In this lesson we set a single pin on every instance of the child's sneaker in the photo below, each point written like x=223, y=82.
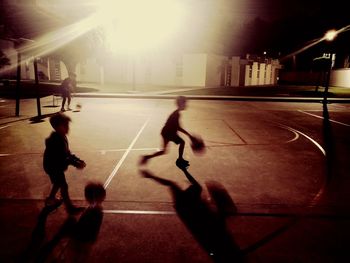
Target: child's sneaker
x=53, y=201
x=185, y=161
x=182, y=163
x=143, y=160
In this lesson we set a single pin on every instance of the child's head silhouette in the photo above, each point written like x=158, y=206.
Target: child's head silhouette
x=60, y=122
x=181, y=102
x=95, y=193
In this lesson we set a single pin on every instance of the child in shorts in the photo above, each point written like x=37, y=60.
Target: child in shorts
x=169, y=133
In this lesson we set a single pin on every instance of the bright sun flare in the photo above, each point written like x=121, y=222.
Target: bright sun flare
x=137, y=25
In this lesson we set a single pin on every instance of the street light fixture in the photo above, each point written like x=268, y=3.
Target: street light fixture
x=331, y=35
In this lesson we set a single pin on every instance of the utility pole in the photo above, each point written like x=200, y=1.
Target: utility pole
x=329, y=36
x=18, y=82
x=35, y=62
x=328, y=77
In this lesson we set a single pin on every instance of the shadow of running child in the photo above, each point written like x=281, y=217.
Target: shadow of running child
x=207, y=225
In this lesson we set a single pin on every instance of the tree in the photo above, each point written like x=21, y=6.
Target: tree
x=90, y=44
x=4, y=60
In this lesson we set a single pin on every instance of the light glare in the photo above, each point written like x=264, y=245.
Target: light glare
x=330, y=35
x=136, y=25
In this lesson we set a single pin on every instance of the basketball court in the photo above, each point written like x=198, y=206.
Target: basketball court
x=282, y=165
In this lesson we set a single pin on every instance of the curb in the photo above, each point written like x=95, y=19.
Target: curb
x=212, y=97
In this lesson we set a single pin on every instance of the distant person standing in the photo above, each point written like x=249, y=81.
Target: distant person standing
x=68, y=85
x=57, y=158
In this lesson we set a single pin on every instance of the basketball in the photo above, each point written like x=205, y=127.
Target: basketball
x=95, y=193
x=78, y=106
x=197, y=144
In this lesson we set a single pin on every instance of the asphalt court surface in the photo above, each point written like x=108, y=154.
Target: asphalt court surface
x=269, y=157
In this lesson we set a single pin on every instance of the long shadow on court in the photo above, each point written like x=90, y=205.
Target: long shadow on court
x=331, y=156
x=39, y=119
x=72, y=241
x=38, y=236
x=206, y=224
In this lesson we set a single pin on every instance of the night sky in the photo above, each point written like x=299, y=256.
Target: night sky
x=283, y=26
x=229, y=27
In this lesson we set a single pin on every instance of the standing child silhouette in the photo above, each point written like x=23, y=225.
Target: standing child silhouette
x=57, y=158
x=67, y=87
x=170, y=134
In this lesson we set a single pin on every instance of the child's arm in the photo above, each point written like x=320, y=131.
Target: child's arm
x=76, y=162
x=184, y=131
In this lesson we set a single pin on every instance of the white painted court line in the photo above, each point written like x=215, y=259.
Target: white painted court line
x=122, y=150
x=171, y=91
x=3, y=127
x=296, y=137
x=139, y=212
x=320, y=117
x=119, y=164
x=100, y=151
x=321, y=191
x=307, y=137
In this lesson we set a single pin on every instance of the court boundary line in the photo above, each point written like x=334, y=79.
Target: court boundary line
x=322, y=189
x=233, y=130
x=139, y=212
x=312, y=214
x=98, y=151
x=119, y=164
x=3, y=127
x=307, y=137
x=320, y=117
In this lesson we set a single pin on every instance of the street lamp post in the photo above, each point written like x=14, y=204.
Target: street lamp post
x=18, y=83
x=17, y=42
x=35, y=62
x=328, y=77
x=329, y=36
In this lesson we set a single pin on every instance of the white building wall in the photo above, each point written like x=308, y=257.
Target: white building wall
x=29, y=74
x=235, y=71
x=262, y=71
x=118, y=70
x=64, y=71
x=27, y=68
x=247, y=78
x=275, y=66
x=255, y=68
x=268, y=79
x=216, y=66
x=88, y=71
x=340, y=78
x=194, y=69
x=54, y=69
x=143, y=71
x=273, y=75
x=163, y=70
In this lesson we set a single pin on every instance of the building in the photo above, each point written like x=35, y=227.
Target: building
x=195, y=70
x=183, y=70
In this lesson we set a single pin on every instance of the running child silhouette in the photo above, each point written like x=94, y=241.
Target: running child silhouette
x=57, y=158
x=169, y=133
